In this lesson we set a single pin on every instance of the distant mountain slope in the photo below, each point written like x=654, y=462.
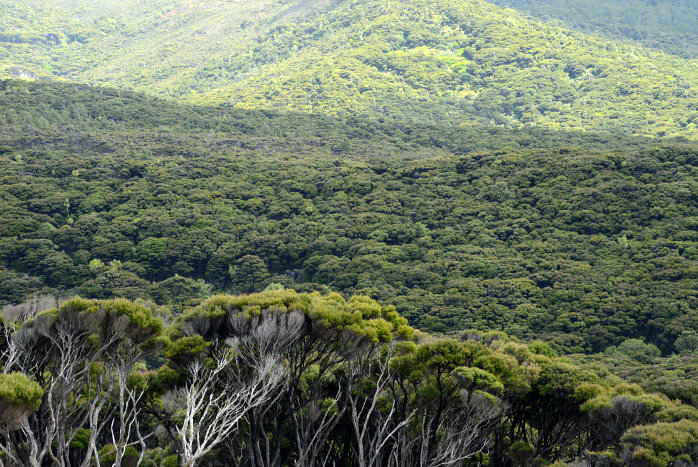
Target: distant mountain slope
x=668, y=25
x=468, y=61
x=463, y=61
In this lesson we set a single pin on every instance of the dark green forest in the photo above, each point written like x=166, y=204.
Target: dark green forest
x=583, y=241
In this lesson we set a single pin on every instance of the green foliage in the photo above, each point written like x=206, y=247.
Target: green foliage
x=186, y=349
x=687, y=343
x=99, y=326
x=177, y=290
x=542, y=348
x=475, y=377
x=107, y=455
x=635, y=349
x=518, y=224
x=587, y=391
x=80, y=439
x=668, y=25
x=674, y=376
x=137, y=314
x=520, y=452
x=661, y=443
x=95, y=265
x=170, y=461
x=248, y=274
x=16, y=388
x=545, y=389
x=465, y=61
x=151, y=252
x=520, y=391
x=360, y=314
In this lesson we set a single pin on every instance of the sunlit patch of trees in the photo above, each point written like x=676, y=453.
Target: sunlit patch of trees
x=465, y=61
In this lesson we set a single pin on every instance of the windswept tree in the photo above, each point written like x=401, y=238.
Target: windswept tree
x=81, y=355
x=376, y=417
x=452, y=407
x=19, y=398
x=316, y=338
x=284, y=378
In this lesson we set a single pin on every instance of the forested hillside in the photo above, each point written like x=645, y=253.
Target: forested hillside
x=372, y=233
x=667, y=25
x=379, y=233
x=584, y=241
x=441, y=61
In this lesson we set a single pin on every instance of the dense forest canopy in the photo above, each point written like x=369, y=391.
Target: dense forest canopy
x=667, y=25
x=466, y=61
x=108, y=194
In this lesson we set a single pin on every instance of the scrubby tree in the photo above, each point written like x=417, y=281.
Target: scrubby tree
x=687, y=343
x=287, y=378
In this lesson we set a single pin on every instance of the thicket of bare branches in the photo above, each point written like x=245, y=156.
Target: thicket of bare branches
x=338, y=402
x=24, y=311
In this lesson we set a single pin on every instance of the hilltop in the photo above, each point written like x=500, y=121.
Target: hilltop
x=428, y=61
x=667, y=25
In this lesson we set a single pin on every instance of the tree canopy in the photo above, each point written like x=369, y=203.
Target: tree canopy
x=463, y=61
x=288, y=378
